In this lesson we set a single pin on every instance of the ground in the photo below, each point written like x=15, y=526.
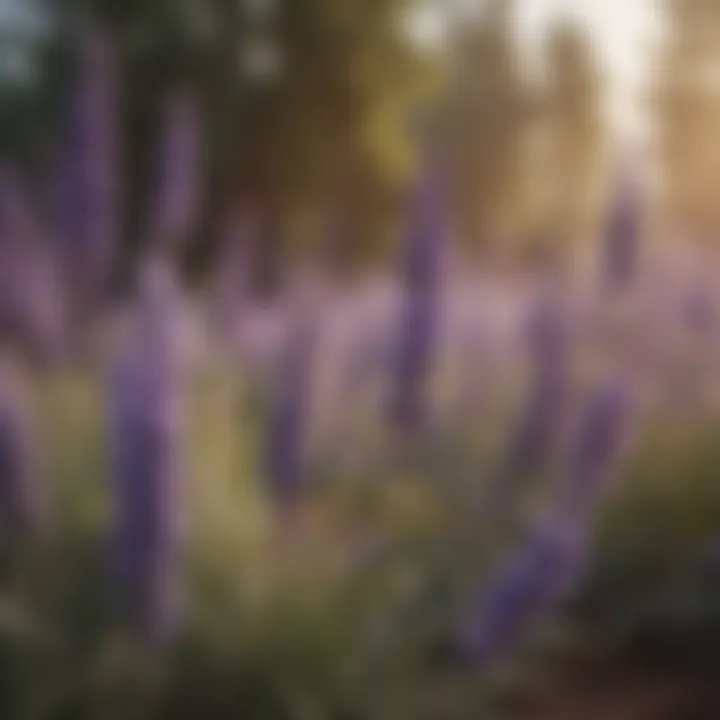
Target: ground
x=624, y=692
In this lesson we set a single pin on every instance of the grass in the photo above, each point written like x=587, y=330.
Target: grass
x=342, y=622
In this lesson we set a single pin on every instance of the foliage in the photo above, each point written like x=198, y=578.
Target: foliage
x=346, y=622
x=304, y=108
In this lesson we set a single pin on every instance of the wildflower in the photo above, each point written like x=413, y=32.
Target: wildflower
x=146, y=425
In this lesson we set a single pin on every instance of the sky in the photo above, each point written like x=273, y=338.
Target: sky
x=627, y=35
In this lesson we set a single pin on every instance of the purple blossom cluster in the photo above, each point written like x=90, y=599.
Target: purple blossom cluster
x=594, y=452
x=526, y=585
x=622, y=232
x=551, y=560
x=231, y=281
x=32, y=317
x=146, y=385
x=422, y=272
x=177, y=202
x=85, y=187
x=290, y=420
x=536, y=436
x=146, y=438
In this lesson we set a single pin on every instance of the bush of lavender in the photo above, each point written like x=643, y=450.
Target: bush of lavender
x=160, y=589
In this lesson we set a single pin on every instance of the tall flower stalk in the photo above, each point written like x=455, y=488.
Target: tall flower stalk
x=290, y=421
x=421, y=269
x=232, y=275
x=146, y=436
x=85, y=185
x=550, y=562
x=594, y=453
x=177, y=202
x=32, y=306
x=526, y=585
x=622, y=232
x=537, y=434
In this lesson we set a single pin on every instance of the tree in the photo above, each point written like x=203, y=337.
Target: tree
x=328, y=128
x=304, y=107
x=486, y=113
x=687, y=105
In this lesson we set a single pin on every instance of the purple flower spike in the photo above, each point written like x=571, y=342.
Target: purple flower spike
x=538, y=432
x=22, y=506
x=178, y=184
x=146, y=425
x=547, y=567
x=85, y=191
x=595, y=451
x=232, y=275
x=528, y=585
x=290, y=419
x=422, y=275
x=421, y=264
x=31, y=301
x=623, y=231
x=409, y=408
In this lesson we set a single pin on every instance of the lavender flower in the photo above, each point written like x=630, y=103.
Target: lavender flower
x=527, y=585
x=31, y=302
x=45, y=307
x=699, y=314
x=622, y=232
x=85, y=192
x=22, y=506
x=177, y=200
x=540, y=425
x=232, y=274
x=146, y=442
x=409, y=408
x=422, y=275
x=290, y=419
x=549, y=564
x=594, y=452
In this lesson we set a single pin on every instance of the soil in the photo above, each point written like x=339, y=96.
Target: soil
x=624, y=692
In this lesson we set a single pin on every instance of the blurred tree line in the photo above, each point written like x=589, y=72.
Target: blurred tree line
x=686, y=103
x=526, y=143
x=308, y=112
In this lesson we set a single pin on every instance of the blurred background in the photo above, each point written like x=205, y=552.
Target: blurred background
x=359, y=359
x=310, y=113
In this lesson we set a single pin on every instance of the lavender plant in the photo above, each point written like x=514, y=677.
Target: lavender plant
x=523, y=587
x=622, y=232
x=176, y=206
x=539, y=428
x=31, y=298
x=232, y=273
x=146, y=433
x=594, y=453
x=85, y=184
x=552, y=558
x=422, y=276
x=699, y=313
x=289, y=426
